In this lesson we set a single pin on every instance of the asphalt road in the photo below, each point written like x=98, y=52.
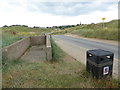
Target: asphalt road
x=77, y=47
x=89, y=44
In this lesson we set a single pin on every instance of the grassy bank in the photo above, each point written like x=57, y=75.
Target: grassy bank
x=100, y=34
x=8, y=39
x=11, y=34
x=57, y=53
x=65, y=73
x=109, y=32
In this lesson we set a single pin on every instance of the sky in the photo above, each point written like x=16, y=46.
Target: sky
x=47, y=13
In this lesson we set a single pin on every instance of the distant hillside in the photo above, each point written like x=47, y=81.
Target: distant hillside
x=24, y=28
x=112, y=25
x=110, y=30
x=11, y=34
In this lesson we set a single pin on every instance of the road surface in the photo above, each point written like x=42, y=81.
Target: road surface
x=77, y=47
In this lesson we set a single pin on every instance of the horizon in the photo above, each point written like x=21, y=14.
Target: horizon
x=53, y=25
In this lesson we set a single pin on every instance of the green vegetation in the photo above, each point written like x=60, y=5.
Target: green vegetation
x=21, y=28
x=62, y=72
x=67, y=73
x=0, y=39
x=104, y=34
x=57, y=53
x=10, y=34
x=110, y=31
x=8, y=39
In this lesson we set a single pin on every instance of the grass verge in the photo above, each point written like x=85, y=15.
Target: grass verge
x=57, y=53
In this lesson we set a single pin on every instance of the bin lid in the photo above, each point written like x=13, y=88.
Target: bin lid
x=100, y=52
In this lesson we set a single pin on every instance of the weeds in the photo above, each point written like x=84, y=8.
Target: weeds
x=8, y=39
x=12, y=63
x=57, y=53
x=64, y=74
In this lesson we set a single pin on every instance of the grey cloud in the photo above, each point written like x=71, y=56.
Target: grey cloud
x=70, y=8
x=63, y=8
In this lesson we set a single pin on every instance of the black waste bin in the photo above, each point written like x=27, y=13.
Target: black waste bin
x=99, y=62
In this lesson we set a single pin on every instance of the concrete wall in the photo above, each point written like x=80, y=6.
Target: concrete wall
x=48, y=48
x=38, y=40
x=16, y=49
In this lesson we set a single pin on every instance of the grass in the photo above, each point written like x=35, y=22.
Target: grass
x=20, y=29
x=8, y=39
x=100, y=34
x=21, y=32
x=110, y=31
x=65, y=73
x=62, y=72
x=57, y=53
x=61, y=32
x=21, y=74
x=0, y=40
x=24, y=29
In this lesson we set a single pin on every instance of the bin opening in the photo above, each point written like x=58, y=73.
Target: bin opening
x=90, y=55
x=108, y=56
